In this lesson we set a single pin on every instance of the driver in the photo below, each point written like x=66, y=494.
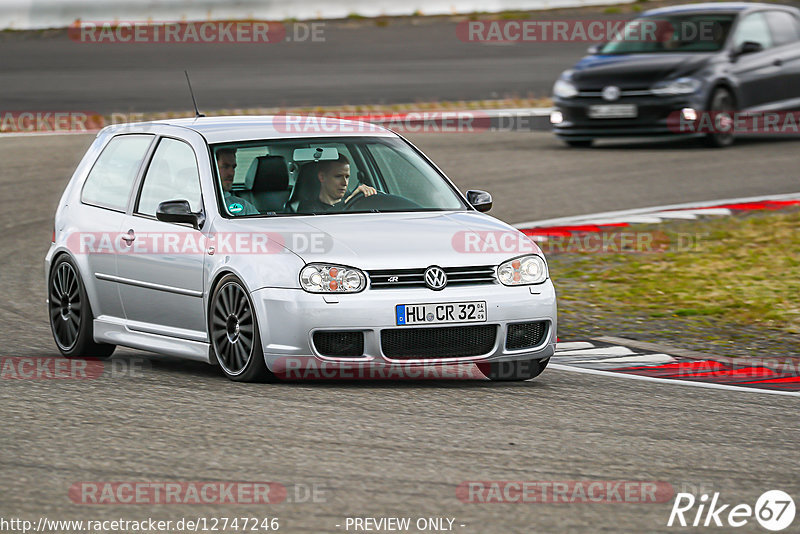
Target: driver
x=226, y=164
x=333, y=177
x=669, y=38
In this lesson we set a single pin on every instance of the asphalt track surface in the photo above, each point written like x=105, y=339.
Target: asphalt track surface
x=403, y=62
x=402, y=448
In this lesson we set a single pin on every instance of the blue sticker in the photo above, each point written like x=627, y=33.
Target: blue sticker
x=235, y=207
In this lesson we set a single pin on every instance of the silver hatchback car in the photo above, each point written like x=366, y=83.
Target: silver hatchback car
x=269, y=245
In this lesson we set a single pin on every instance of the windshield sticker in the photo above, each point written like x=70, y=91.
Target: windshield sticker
x=235, y=207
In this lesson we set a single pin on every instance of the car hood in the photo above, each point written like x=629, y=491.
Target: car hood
x=399, y=240
x=634, y=71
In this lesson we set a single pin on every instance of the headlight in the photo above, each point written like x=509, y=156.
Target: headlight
x=323, y=278
x=681, y=86
x=564, y=89
x=523, y=271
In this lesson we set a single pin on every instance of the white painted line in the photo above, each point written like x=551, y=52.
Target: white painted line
x=633, y=219
x=572, y=345
x=710, y=211
x=528, y=112
x=639, y=358
x=579, y=219
x=598, y=351
x=689, y=215
x=674, y=382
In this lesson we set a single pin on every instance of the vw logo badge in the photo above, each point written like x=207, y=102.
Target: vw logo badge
x=435, y=278
x=611, y=93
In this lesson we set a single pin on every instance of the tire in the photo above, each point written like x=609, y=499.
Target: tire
x=513, y=371
x=583, y=143
x=233, y=329
x=71, y=317
x=721, y=100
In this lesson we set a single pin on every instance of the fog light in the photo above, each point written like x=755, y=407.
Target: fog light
x=689, y=114
x=556, y=117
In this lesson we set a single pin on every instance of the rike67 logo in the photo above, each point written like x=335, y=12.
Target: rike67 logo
x=774, y=510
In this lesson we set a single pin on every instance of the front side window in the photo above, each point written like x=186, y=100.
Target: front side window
x=171, y=175
x=753, y=29
x=785, y=27
x=328, y=176
x=681, y=33
x=111, y=179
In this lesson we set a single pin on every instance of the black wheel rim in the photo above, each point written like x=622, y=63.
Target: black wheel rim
x=232, y=328
x=65, y=305
x=723, y=103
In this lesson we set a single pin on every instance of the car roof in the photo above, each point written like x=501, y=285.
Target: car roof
x=252, y=127
x=713, y=7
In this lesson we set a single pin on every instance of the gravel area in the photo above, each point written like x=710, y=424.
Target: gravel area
x=583, y=317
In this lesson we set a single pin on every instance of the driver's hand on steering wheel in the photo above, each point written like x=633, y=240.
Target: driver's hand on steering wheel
x=363, y=189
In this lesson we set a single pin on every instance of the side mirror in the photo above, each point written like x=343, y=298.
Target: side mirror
x=747, y=47
x=594, y=49
x=178, y=211
x=480, y=200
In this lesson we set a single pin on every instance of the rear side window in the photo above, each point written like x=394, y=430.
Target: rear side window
x=754, y=29
x=110, y=181
x=172, y=175
x=785, y=27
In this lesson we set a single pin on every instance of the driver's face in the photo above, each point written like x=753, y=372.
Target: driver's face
x=226, y=163
x=334, y=181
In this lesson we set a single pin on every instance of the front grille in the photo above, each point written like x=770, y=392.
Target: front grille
x=525, y=335
x=340, y=344
x=443, y=342
x=391, y=278
x=594, y=92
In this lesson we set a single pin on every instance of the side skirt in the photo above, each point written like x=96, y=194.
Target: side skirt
x=115, y=331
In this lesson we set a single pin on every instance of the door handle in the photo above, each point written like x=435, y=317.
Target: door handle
x=129, y=237
x=778, y=62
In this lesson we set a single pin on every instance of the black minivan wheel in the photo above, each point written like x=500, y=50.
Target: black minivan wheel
x=70, y=313
x=721, y=101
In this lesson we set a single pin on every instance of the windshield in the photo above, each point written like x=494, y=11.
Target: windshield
x=672, y=33
x=328, y=176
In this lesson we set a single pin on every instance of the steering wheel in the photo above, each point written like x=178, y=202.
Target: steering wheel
x=379, y=201
x=357, y=198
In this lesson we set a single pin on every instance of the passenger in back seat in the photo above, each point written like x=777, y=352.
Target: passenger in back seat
x=226, y=163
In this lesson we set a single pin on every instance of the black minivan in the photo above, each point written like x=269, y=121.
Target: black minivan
x=748, y=60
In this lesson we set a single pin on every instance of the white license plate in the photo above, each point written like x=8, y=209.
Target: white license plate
x=613, y=111
x=443, y=312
